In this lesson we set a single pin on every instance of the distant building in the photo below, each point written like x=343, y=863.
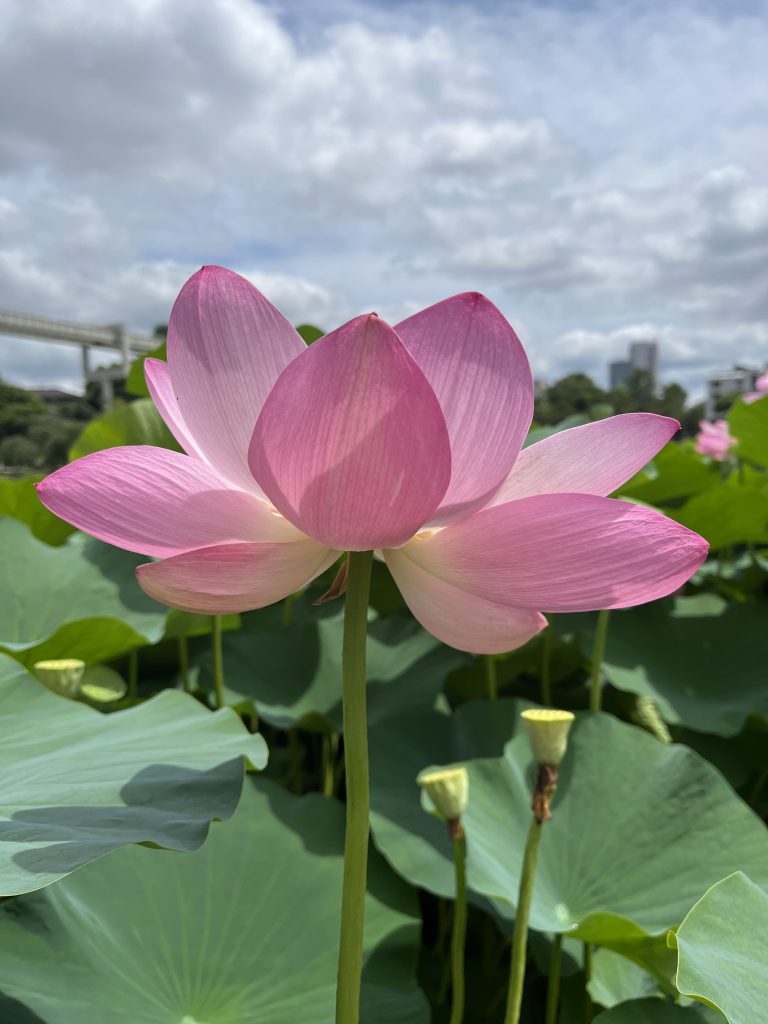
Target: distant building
x=726, y=385
x=619, y=371
x=643, y=355
x=54, y=396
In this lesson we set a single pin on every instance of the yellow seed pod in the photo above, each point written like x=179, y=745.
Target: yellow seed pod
x=547, y=730
x=62, y=675
x=448, y=789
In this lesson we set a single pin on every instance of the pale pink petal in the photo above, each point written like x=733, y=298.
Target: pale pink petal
x=593, y=459
x=456, y=617
x=479, y=371
x=235, y=577
x=564, y=553
x=351, y=445
x=157, y=502
x=161, y=392
x=227, y=345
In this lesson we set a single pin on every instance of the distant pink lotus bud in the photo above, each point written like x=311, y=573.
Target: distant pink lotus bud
x=406, y=440
x=714, y=439
x=761, y=386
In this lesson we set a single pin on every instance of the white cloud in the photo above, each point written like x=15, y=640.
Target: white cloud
x=591, y=167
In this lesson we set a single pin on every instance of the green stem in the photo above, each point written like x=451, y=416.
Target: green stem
x=598, y=656
x=218, y=662
x=588, y=1008
x=184, y=663
x=459, y=935
x=520, y=935
x=553, y=988
x=133, y=676
x=288, y=604
x=491, y=677
x=330, y=749
x=546, y=667
x=356, y=760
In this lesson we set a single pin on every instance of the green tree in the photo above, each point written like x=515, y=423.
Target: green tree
x=576, y=393
x=672, y=401
x=17, y=409
x=18, y=451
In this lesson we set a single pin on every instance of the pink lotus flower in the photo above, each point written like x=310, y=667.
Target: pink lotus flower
x=404, y=440
x=761, y=384
x=714, y=439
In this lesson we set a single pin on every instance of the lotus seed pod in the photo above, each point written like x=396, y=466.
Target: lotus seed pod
x=62, y=675
x=102, y=685
x=647, y=715
x=448, y=789
x=547, y=730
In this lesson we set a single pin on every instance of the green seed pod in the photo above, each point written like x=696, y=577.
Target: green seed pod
x=547, y=730
x=62, y=675
x=448, y=789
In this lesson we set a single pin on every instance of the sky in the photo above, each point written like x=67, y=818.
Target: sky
x=599, y=170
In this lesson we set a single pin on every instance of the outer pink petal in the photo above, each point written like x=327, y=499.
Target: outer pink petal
x=457, y=617
x=161, y=391
x=351, y=444
x=157, y=502
x=230, y=578
x=227, y=345
x=479, y=371
x=593, y=459
x=564, y=553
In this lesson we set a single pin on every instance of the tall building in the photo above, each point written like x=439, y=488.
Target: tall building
x=643, y=355
x=618, y=372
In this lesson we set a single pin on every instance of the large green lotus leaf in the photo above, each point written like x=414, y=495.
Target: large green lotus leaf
x=539, y=433
x=701, y=659
x=615, y=979
x=749, y=423
x=245, y=931
x=676, y=472
x=728, y=514
x=189, y=624
x=414, y=842
x=45, y=589
x=723, y=950
x=640, y=829
x=19, y=500
x=657, y=1011
x=138, y=422
x=293, y=673
x=135, y=382
x=78, y=784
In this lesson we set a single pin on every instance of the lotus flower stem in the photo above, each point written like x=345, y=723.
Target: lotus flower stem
x=553, y=989
x=183, y=648
x=598, y=655
x=520, y=935
x=459, y=934
x=546, y=667
x=491, y=677
x=218, y=662
x=356, y=764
